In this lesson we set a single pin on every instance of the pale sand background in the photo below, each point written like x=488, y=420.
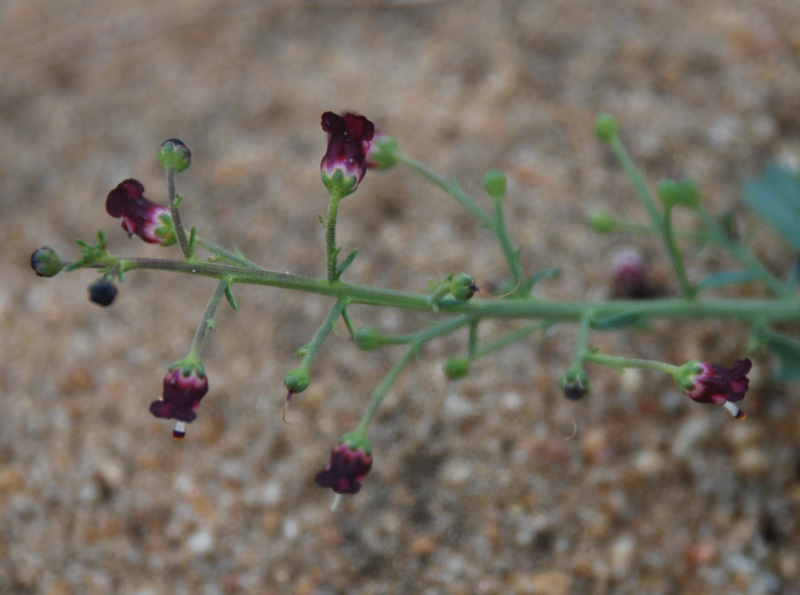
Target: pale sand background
x=474, y=489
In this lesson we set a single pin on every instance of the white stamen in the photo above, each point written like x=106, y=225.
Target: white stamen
x=735, y=411
x=180, y=430
x=335, y=502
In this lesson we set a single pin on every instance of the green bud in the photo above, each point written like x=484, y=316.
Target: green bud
x=368, y=338
x=297, y=380
x=606, y=127
x=383, y=152
x=575, y=384
x=463, y=286
x=495, y=183
x=602, y=222
x=46, y=262
x=667, y=191
x=174, y=155
x=456, y=368
x=687, y=192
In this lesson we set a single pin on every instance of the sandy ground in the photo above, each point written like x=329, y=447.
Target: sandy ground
x=474, y=488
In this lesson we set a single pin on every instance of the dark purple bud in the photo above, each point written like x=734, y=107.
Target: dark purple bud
x=350, y=461
x=103, y=293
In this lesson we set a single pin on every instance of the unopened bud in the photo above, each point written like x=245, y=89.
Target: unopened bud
x=297, y=380
x=174, y=155
x=46, y=262
x=456, y=368
x=103, y=293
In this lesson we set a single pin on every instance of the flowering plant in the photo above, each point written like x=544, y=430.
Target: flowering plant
x=354, y=146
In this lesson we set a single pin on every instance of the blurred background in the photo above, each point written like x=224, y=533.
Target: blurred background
x=478, y=486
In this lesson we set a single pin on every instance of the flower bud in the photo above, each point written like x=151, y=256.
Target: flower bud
x=463, y=286
x=575, y=384
x=46, y=262
x=174, y=155
x=102, y=292
x=602, y=222
x=296, y=381
x=368, y=338
x=382, y=152
x=456, y=368
x=606, y=127
x=495, y=183
x=344, y=164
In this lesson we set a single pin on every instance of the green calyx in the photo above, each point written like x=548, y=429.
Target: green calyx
x=368, y=338
x=574, y=384
x=297, y=380
x=338, y=185
x=174, y=155
x=355, y=441
x=495, y=183
x=456, y=368
x=606, y=127
x=188, y=365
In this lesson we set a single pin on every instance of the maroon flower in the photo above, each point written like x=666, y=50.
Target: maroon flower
x=709, y=383
x=629, y=273
x=140, y=217
x=351, y=460
x=184, y=387
x=349, y=139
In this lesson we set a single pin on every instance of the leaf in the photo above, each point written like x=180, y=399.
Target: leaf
x=229, y=296
x=616, y=321
x=775, y=197
x=787, y=350
x=726, y=278
x=542, y=275
x=346, y=263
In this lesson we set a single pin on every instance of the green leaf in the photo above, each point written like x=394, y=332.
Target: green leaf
x=616, y=321
x=775, y=197
x=542, y=275
x=346, y=263
x=229, y=296
x=787, y=350
x=726, y=278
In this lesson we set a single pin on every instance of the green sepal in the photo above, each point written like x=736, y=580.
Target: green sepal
x=174, y=155
x=229, y=295
x=726, y=278
x=542, y=275
x=166, y=231
x=616, y=321
x=787, y=350
x=342, y=267
x=91, y=253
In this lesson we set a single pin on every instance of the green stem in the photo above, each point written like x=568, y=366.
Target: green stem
x=512, y=257
x=472, y=345
x=226, y=255
x=330, y=237
x=582, y=342
x=176, y=215
x=636, y=179
x=313, y=348
x=377, y=396
x=743, y=255
x=507, y=339
x=675, y=256
x=207, y=322
x=450, y=188
x=744, y=310
x=620, y=363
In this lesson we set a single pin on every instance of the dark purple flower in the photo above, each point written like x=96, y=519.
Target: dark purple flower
x=709, y=383
x=184, y=388
x=629, y=273
x=149, y=221
x=351, y=460
x=349, y=139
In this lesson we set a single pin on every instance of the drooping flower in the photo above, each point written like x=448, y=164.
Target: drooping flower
x=184, y=387
x=102, y=292
x=351, y=460
x=709, y=383
x=344, y=164
x=141, y=217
